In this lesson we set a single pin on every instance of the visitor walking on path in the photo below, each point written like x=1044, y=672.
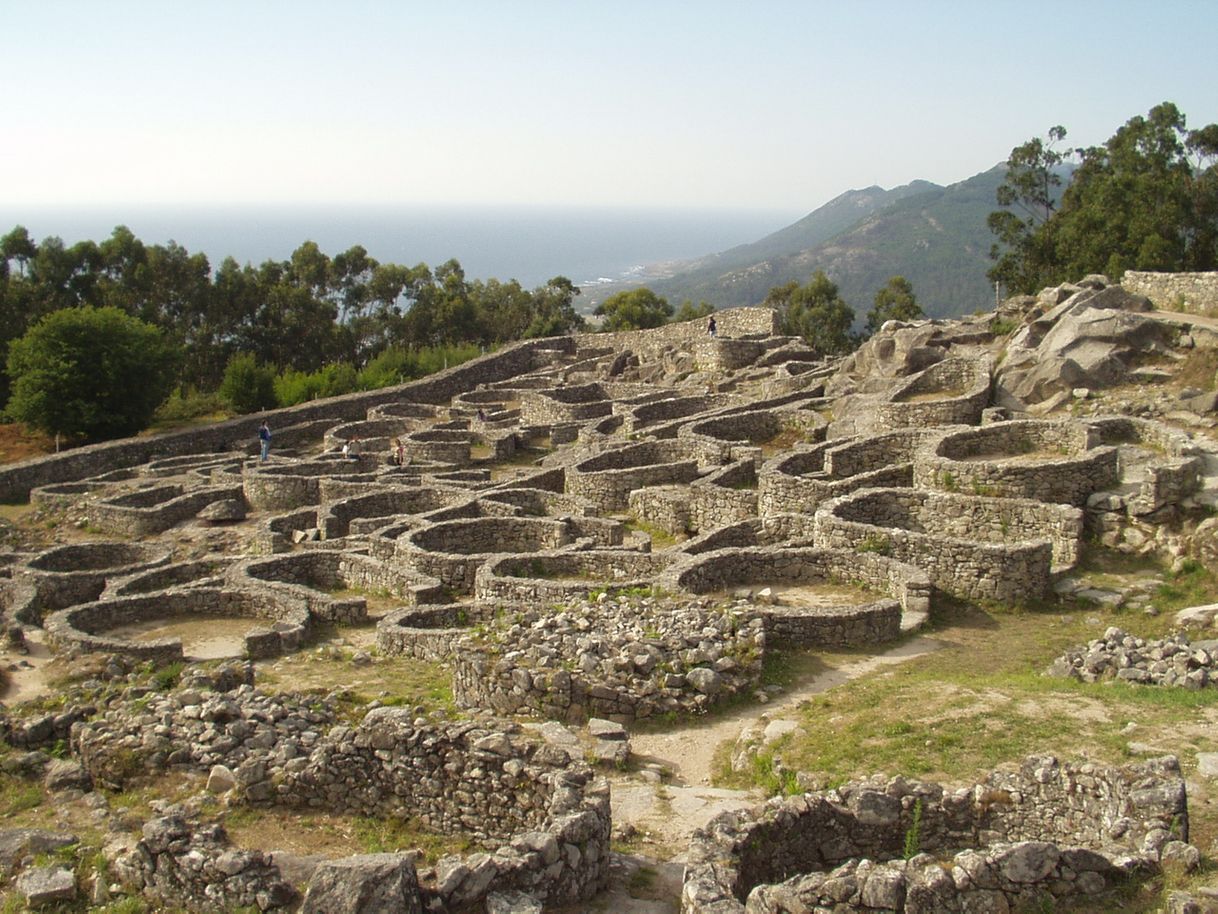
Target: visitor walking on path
x=712, y=328
x=264, y=440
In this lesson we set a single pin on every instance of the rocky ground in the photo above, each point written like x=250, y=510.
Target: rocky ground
x=680, y=773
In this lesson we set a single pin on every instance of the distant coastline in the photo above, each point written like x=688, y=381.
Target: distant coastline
x=594, y=247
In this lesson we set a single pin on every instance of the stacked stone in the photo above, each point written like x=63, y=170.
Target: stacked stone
x=1048, y=831
x=82, y=628
x=1000, y=549
x=726, y=496
x=1172, y=661
x=1006, y=877
x=980, y=460
x=69, y=575
x=148, y=733
x=179, y=863
x=622, y=659
x=148, y=511
x=478, y=778
x=970, y=376
x=1196, y=293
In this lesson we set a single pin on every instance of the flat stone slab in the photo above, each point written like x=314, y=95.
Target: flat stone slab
x=44, y=885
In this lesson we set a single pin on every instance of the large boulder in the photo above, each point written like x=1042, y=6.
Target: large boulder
x=365, y=884
x=1088, y=340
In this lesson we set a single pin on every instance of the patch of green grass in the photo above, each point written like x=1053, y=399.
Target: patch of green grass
x=660, y=539
x=380, y=836
x=17, y=796
x=982, y=700
x=1192, y=585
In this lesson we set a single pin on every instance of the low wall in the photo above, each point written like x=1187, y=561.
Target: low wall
x=912, y=404
x=647, y=657
x=976, y=548
x=551, y=841
x=898, y=588
x=1048, y=461
x=1043, y=832
x=1193, y=293
x=16, y=480
x=82, y=628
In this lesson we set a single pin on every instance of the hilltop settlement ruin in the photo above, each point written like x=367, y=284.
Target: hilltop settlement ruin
x=581, y=536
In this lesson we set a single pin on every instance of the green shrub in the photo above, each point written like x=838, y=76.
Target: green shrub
x=247, y=386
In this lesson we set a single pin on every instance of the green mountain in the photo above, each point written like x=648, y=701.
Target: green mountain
x=936, y=237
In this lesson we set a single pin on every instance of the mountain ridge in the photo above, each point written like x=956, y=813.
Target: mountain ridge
x=936, y=236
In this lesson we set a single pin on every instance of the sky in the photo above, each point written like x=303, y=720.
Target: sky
x=767, y=104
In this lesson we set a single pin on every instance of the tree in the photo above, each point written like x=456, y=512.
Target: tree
x=92, y=373
x=895, y=302
x=248, y=387
x=815, y=312
x=636, y=309
x=1028, y=197
x=688, y=311
x=1145, y=200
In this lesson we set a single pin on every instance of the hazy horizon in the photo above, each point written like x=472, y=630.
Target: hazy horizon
x=529, y=243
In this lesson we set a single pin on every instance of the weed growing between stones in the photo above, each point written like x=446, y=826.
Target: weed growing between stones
x=913, y=838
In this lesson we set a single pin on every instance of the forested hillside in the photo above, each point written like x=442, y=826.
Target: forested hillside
x=934, y=236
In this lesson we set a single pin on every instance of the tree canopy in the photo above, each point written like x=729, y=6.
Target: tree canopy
x=894, y=302
x=816, y=312
x=635, y=309
x=303, y=313
x=1147, y=199
x=90, y=373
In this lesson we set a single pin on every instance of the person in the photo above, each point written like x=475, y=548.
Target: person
x=402, y=461
x=351, y=448
x=395, y=455
x=264, y=440
x=712, y=328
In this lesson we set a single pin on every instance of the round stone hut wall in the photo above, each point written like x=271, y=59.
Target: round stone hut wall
x=1043, y=832
x=899, y=588
x=1048, y=461
x=976, y=548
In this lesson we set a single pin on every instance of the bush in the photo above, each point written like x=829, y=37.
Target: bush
x=93, y=373
x=247, y=386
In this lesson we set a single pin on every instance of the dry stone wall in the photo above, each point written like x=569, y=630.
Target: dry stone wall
x=624, y=659
x=1195, y=293
x=976, y=548
x=1051, y=831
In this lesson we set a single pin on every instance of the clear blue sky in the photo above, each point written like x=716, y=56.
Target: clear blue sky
x=759, y=105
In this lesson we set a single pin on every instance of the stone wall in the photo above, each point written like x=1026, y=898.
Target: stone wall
x=16, y=480
x=1048, y=461
x=83, y=628
x=625, y=659
x=178, y=864
x=143, y=513
x=791, y=529
x=723, y=497
x=965, y=384
x=607, y=479
x=897, y=587
x=543, y=814
x=69, y=575
x=545, y=578
x=1049, y=830
x=431, y=632
x=730, y=323
x=976, y=548
x=1194, y=293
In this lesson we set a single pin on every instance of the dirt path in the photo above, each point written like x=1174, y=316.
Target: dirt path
x=687, y=751
x=27, y=678
x=661, y=815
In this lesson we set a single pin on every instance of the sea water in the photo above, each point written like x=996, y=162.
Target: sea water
x=530, y=244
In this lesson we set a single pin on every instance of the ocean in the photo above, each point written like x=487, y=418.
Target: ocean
x=589, y=246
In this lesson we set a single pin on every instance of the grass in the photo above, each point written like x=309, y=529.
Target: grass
x=982, y=700
x=660, y=538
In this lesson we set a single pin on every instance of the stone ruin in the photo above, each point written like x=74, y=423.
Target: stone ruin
x=608, y=526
